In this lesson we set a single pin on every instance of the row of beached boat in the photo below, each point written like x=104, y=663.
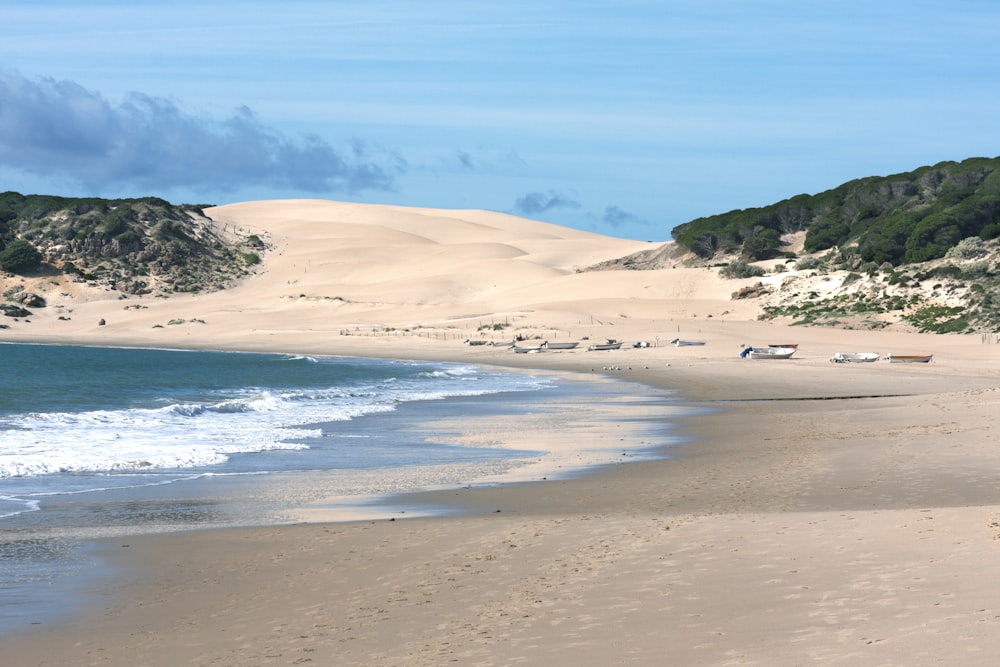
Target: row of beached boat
x=545, y=345
x=786, y=350
x=610, y=344
x=566, y=345
x=771, y=351
x=523, y=347
x=871, y=357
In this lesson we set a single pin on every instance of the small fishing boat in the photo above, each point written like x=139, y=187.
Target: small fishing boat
x=524, y=349
x=909, y=358
x=570, y=345
x=677, y=342
x=854, y=357
x=769, y=352
x=612, y=344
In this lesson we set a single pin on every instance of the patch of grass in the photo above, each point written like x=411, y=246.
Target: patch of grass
x=939, y=319
x=830, y=312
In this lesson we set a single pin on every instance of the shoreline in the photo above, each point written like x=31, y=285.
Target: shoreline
x=304, y=491
x=710, y=489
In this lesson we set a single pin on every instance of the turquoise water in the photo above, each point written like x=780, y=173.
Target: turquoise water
x=79, y=418
x=98, y=442
x=104, y=441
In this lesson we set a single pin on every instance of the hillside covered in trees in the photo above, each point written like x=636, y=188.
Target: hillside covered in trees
x=135, y=246
x=901, y=219
x=919, y=250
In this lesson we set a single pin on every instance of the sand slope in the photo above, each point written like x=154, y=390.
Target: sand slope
x=337, y=266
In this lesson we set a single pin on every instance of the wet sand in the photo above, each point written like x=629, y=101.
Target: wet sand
x=816, y=513
x=794, y=527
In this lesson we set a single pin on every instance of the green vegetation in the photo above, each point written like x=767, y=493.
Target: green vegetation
x=834, y=310
x=905, y=218
x=19, y=256
x=10, y=310
x=741, y=269
x=135, y=246
x=928, y=238
x=939, y=319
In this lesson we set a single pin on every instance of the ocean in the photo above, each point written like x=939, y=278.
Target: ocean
x=98, y=442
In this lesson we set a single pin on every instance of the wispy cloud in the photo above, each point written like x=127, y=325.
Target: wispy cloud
x=59, y=128
x=617, y=217
x=535, y=203
x=465, y=159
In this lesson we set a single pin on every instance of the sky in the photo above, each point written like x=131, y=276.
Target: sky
x=625, y=118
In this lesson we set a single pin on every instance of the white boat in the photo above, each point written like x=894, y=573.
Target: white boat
x=522, y=349
x=612, y=344
x=910, y=358
x=769, y=352
x=562, y=346
x=677, y=342
x=854, y=357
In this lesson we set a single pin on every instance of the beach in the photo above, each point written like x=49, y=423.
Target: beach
x=814, y=513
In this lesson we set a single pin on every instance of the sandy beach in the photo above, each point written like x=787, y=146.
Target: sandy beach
x=816, y=513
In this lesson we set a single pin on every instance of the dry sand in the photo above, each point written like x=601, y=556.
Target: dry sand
x=818, y=514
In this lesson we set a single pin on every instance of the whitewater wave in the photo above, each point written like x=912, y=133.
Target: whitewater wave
x=11, y=506
x=185, y=434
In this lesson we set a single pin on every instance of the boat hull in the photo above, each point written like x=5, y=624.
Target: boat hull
x=562, y=346
x=771, y=352
x=910, y=358
x=855, y=357
x=605, y=346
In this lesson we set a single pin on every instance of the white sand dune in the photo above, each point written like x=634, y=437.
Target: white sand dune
x=335, y=266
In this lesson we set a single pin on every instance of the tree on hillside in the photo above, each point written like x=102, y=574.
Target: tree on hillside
x=19, y=256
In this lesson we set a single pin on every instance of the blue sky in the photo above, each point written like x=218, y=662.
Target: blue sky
x=625, y=118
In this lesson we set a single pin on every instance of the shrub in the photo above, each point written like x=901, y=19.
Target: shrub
x=898, y=278
x=947, y=271
x=19, y=256
x=870, y=268
x=741, y=269
x=807, y=263
x=968, y=248
x=972, y=270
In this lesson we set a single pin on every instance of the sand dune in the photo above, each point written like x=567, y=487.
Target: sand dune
x=820, y=514
x=335, y=266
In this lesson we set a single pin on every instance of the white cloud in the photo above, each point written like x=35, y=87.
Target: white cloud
x=64, y=130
